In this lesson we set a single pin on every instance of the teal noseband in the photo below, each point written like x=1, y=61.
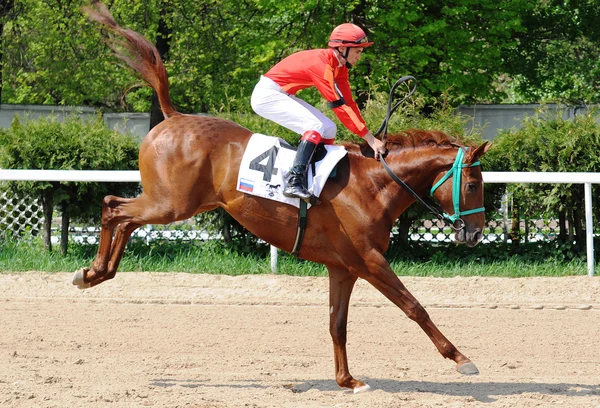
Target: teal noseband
x=455, y=172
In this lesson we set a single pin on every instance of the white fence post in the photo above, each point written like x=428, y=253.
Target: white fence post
x=273, y=259
x=589, y=228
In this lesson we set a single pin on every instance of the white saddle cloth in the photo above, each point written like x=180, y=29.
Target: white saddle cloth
x=267, y=161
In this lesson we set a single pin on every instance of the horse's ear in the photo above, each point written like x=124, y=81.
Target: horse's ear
x=480, y=151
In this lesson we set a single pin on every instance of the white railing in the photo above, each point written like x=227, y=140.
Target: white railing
x=587, y=179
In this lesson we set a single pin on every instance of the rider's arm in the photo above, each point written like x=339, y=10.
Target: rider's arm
x=337, y=92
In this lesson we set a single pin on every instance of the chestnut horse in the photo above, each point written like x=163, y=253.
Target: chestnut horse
x=189, y=164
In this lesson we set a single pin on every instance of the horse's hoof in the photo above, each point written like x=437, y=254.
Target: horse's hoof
x=467, y=369
x=363, y=388
x=78, y=279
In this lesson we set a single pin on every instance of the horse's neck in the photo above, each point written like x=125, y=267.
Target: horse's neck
x=419, y=167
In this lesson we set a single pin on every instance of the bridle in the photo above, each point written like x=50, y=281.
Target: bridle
x=433, y=205
x=455, y=172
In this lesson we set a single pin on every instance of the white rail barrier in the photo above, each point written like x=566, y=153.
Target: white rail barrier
x=587, y=179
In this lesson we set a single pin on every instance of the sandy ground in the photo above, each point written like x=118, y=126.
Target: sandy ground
x=181, y=340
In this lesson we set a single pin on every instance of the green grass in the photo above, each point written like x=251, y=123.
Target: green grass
x=511, y=268
x=215, y=259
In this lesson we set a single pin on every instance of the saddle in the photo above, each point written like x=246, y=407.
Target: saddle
x=264, y=166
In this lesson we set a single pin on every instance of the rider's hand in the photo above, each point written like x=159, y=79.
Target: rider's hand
x=377, y=145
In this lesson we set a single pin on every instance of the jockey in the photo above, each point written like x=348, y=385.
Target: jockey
x=326, y=69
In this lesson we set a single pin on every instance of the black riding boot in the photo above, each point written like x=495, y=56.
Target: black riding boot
x=296, y=177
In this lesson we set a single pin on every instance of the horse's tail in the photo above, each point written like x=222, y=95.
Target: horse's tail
x=137, y=52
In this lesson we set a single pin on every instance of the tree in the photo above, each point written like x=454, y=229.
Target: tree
x=54, y=56
x=454, y=48
x=464, y=50
x=5, y=8
x=558, y=55
x=163, y=39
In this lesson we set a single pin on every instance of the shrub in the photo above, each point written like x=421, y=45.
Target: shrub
x=74, y=144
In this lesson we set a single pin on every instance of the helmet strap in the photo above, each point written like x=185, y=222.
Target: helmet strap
x=345, y=56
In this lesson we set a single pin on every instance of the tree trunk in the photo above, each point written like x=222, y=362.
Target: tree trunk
x=515, y=231
x=1, y=58
x=226, y=230
x=48, y=208
x=404, y=230
x=163, y=39
x=570, y=220
x=579, y=229
x=64, y=231
x=562, y=226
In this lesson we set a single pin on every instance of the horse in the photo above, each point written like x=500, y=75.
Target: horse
x=189, y=164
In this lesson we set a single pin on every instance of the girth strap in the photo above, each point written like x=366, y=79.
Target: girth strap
x=301, y=228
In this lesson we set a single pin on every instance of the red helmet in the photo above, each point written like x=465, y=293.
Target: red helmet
x=348, y=35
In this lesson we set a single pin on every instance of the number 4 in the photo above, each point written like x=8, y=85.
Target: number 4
x=268, y=170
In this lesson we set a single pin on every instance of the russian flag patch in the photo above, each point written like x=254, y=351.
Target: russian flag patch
x=246, y=185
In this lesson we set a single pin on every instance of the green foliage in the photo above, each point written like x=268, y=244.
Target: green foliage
x=549, y=141
x=524, y=50
x=558, y=53
x=48, y=144
x=453, y=48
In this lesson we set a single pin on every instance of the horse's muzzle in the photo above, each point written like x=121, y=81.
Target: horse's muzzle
x=469, y=237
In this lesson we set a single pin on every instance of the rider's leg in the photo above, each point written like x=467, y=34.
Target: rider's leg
x=296, y=179
x=271, y=102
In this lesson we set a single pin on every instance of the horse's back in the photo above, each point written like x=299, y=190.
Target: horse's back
x=195, y=130
x=191, y=156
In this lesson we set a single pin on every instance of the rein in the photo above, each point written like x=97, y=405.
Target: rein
x=455, y=171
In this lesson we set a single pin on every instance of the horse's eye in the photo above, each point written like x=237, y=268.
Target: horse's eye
x=471, y=187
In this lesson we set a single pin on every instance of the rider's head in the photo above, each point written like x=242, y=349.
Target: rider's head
x=349, y=40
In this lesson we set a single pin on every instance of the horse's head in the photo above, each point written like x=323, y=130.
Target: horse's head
x=459, y=192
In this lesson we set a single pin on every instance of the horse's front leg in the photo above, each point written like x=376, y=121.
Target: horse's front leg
x=382, y=277
x=341, y=283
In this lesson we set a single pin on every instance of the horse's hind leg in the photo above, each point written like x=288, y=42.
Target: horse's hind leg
x=341, y=283
x=124, y=231
x=385, y=280
x=109, y=221
x=124, y=215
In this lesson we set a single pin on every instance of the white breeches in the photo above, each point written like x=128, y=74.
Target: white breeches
x=271, y=102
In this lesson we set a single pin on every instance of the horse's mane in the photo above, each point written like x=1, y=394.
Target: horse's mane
x=419, y=137
x=410, y=138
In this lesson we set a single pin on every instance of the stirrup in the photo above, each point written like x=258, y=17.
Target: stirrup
x=299, y=191
x=306, y=197
x=296, y=191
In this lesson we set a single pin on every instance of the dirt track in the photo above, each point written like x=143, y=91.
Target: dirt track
x=180, y=340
